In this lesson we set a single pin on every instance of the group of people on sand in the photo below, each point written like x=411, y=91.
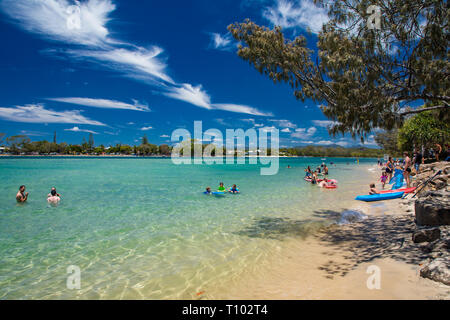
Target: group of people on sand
x=396, y=164
x=53, y=197
x=221, y=188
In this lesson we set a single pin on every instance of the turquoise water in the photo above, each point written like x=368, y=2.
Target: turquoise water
x=141, y=228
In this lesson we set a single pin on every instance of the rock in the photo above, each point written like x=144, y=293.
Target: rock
x=426, y=235
x=433, y=209
x=437, y=270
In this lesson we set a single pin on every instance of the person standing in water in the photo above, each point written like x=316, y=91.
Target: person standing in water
x=50, y=194
x=22, y=196
x=54, y=197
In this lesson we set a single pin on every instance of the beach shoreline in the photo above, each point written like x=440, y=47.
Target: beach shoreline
x=335, y=262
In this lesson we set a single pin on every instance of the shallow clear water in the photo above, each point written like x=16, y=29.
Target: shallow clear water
x=141, y=228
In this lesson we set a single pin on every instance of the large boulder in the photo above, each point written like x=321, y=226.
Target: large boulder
x=426, y=235
x=437, y=270
x=433, y=209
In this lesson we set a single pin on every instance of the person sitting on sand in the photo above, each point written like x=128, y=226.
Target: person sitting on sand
x=234, y=189
x=383, y=178
x=221, y=188
x=21, y=196
x=373, y=190
x=208, y=190
x=54, y=198
x=50, y=194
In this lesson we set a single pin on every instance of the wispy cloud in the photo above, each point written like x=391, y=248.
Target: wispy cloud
x=240, y=109
x=222, y=42
x=138, y=63
x=197, y=96
x=146, y=128
x=37, y=113
x=76, y=129
x=51, y=19
x=92, y=42
x=103, y=103
x=296, y=13
x=192, y=94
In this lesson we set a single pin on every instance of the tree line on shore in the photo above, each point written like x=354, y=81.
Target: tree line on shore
x=21, y=144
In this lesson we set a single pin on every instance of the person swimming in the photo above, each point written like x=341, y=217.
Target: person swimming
x=221, y=188
x=22, y=196
x=208, y=190
x=54, y=197
x=234, y=189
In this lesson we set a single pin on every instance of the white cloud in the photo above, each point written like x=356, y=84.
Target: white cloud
x=284, y=123
x=240, y=109
x=146, y=128
x=323, y=123
x=165, y=136
x=286, y=130
x=93, y=43
x=103, y=103
x=220, y=42
x=76, y=129
x=50, y=18
x=39, y=114
x=139, y=63
x=303, y=133
x=191, y=94
x=299, y=13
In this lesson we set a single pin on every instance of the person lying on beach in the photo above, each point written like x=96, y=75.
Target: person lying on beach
x=221, y=188
x=373, y=190
x=54, y=198
x=208, y=190
x=50, y=194
x=234, y=189
x=21, y=196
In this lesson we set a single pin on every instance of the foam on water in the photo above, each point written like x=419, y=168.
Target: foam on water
x=141, y=228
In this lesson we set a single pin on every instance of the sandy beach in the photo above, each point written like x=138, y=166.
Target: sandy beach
x=333, y=263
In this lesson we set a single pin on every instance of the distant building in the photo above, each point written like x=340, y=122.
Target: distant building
x=2, y=150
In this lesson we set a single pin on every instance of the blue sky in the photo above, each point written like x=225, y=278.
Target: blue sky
x=122, y=69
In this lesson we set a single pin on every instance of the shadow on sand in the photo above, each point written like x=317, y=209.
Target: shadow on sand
x=374, y=237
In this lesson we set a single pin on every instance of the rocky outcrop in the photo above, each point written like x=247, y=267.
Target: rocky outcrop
x=437, y=270
x=433, y=208
x=426, y=235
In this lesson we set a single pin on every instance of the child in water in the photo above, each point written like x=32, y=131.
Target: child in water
x=234, y=189
x=221, y=188
x=383, y=178
x=373, y=190
x=208, y=190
